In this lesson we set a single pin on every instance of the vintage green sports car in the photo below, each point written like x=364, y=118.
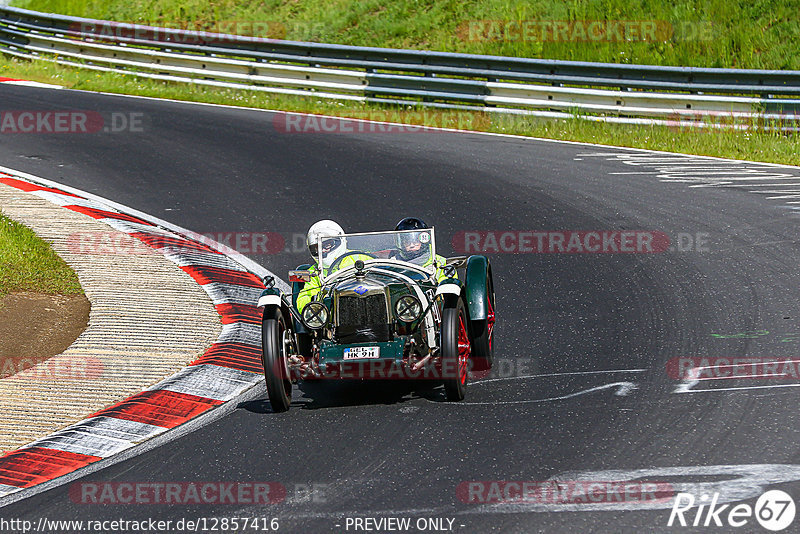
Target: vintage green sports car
x=379, y=313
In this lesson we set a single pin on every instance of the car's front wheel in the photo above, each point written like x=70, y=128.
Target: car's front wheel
x=455, y=348
x=274, y=358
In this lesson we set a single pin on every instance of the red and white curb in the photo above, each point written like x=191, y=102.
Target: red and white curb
x=28, y=83
x=230, y=367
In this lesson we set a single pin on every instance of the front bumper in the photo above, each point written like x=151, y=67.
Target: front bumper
x=392, y=363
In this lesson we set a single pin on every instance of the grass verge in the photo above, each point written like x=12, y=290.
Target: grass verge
x=698, y=33
x=756, y=145
x=28, y=263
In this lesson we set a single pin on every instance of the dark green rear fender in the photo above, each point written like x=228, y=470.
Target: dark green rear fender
x=475, y=287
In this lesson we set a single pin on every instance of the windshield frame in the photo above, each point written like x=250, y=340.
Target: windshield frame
x=430, y=269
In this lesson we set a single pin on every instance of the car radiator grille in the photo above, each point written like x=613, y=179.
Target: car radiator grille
x=362, y=311
x=362, y=319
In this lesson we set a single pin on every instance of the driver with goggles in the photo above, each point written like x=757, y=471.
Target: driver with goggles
x=334, y=247
x=410, y=247
x=334, y=244
x=414, y=247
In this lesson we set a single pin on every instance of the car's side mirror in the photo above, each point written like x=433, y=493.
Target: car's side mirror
x=299, y=276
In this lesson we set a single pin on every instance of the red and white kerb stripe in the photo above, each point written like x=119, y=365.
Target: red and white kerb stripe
x=228, y=368
x=27, y=83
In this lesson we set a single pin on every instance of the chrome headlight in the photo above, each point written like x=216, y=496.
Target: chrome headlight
x=408, y=308
x=315, y=315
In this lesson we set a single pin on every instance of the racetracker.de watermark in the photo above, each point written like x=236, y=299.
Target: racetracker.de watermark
x=202, y=32
x=577, y=242
x=787, y=120
x=521, y=242
x=113, y=242
x=70, y=122
x=720, y=368
x=563, y=492
x=385, y=370
x=583, y=31
x=60, y=367
x=177, y=493
x=377, y=121
x=219, y=32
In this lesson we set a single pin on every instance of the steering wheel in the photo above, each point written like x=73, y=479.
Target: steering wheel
x=338, y=261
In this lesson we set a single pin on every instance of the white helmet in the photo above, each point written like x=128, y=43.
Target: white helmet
x=333, y=247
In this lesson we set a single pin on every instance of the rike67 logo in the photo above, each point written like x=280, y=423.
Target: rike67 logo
x=774, y=510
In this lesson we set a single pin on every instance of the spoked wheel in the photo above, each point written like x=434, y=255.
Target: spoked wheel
x=455, y=347
x=483, y=334
x=275, y=340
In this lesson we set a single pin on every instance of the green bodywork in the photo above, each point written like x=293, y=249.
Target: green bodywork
x=330, y=352
x=396, y=291
x=476, y=287
x=270, y=291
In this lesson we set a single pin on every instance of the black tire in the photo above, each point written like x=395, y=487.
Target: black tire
x=273, y=357
x=455, y=348
x=483, y=334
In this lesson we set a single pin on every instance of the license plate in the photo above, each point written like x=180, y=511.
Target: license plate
x=358, y=353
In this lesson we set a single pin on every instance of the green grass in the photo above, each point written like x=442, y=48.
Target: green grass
x=702, y=33
x=27, y=263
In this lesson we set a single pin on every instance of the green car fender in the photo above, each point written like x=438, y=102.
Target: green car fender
x=272, y=296
x=269, y=296
x=475, y=287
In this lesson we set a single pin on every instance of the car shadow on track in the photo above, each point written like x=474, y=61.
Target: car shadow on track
x=342, y=393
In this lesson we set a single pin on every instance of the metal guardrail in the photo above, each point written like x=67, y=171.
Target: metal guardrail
x=611, y=92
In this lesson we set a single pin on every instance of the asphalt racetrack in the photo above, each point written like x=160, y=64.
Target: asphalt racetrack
x=592, y=386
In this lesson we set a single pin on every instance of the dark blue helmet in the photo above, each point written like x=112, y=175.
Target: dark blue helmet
x=411, y=223
x=409, y=244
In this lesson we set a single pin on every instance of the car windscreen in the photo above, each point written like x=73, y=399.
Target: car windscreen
x=340, y=252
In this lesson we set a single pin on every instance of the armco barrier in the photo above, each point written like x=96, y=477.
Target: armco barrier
x=600, y=91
